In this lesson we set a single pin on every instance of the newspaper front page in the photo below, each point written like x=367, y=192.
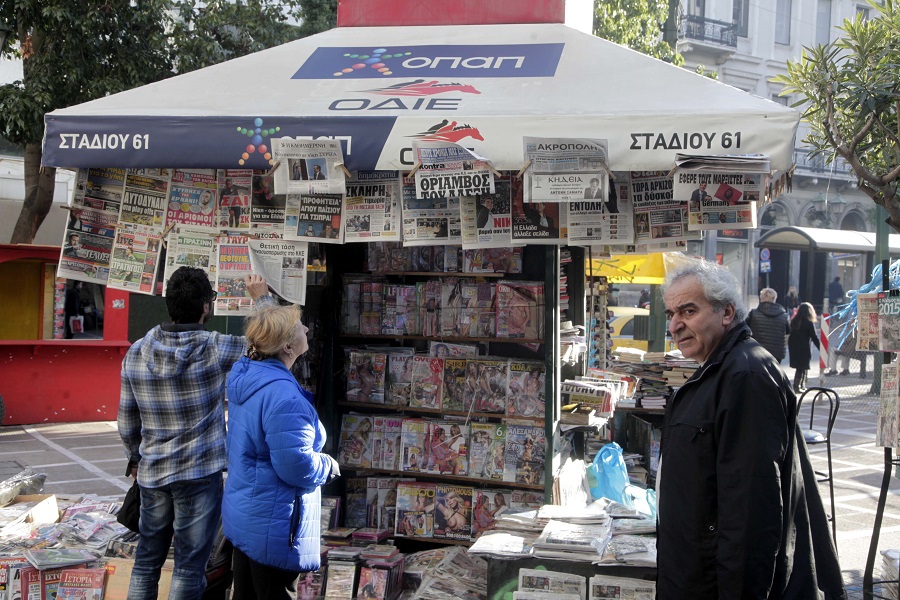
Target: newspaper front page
x=192, y=198
x=566, y=169
x=308, y=165
x=888, y=418
x=487, y=218
x=429, y=221
x=266, y=207
x=590, y=223
x=191, y=246
x=373, y=207
x=283, y=265
x=888, y=323
x=867, y=322
x=537, y=222
x=658, y=217
x=314, y=216
x=233, y=263
x=447, y=170
x=719, y=200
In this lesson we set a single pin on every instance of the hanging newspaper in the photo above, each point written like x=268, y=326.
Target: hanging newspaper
x=888, y=419
x=725, y=163
x=537, y=223
x=308, y=165
x=373, y=207
x=283, y=265
x=232, y=189
x=447, y=170
x=190, y=246
x=486, y=219
x=888, y=323
x=657, y=216
x=266, y=207
x=314, y=217
x=429, y=222
x=567, y=170
x=719, y=200
x=867, y=322
x=192, y=198
x=589, y=223
x=91, y=229
x=232, y=265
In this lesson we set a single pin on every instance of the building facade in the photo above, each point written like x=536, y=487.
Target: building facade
x=747, y=44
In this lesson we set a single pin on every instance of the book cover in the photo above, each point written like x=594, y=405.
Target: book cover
x=428, y=382
x=356, y=441
x=486, y=383
x=488, y=506
x=81, y=584
x=414, y=445
x=448, y=447
x=355, y=499
x=487, y=449
x=415, y=509
x=524, y=458
x=454, y=384
x=453, y=511
x=526, y=391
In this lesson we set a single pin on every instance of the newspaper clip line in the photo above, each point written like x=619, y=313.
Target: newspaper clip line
x=523, y=169
x=414, y=169
x=273, y=169
x=344, y=169
x=165, y=232
x=672, y=172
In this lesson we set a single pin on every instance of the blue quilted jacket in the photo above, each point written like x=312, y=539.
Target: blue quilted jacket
x=272, y=500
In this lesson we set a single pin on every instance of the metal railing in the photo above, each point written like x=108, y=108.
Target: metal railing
x=817, y=165
x=692, y=27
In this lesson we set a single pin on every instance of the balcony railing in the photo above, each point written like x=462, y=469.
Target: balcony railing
x=807, y=165
x=701, y=29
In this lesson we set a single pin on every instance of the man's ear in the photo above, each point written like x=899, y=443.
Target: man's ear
x=728, y=314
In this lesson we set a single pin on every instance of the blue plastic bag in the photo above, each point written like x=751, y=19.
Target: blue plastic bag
x=607, y=476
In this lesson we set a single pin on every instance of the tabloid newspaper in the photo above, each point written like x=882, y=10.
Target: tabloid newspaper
x=888, y=323
x=607, y=587
x=867, y=322
x=191, y=246
x=266, y=207
x=536, y=222
x=487, y=218
x=888, y=419
x=429, y=221
x=597, y=222
x=233, y=264
x=553, y=582
x=193, y=199
x=306, y=163
x=373, y=207
x=719, y=200
x=448, y=170
x=234, y=193
x=312, y=216
x=658, y=216
x=283, y=265
x=566, y=169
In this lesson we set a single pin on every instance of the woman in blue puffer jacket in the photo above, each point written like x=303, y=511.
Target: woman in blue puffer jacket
x=271, y=506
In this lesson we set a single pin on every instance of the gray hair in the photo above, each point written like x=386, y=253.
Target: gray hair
x=768, y=295
x=720, y=287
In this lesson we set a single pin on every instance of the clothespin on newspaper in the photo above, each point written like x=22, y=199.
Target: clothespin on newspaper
x=608, y=172
x=672, y=172
x=494, y=171
x=523, y=169
x=165, y=233
x=414, y=169
x=274, y=167
x=345, y=170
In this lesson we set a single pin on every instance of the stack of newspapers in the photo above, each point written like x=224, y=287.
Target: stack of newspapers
x=573, y=541
x=457, y=575
x=513, y=536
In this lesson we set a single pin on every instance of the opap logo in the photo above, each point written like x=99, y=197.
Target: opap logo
x=498, y=60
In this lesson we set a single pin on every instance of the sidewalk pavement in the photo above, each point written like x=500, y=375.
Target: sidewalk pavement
x=83, y=458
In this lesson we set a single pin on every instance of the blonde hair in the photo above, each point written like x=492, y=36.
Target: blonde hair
x=270, y=329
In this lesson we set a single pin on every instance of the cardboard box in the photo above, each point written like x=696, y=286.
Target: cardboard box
x=44, y=512
x=118, y=578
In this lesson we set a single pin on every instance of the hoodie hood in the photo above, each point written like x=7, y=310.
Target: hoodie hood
x=770, y=309
x=249, y=376
x=168, y=353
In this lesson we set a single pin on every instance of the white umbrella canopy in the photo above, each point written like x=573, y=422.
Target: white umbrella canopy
x=379, y=88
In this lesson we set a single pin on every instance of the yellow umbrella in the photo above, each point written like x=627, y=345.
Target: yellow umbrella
x=646, y=269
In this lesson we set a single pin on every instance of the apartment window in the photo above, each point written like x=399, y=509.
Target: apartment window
x=823, y=22
x=740, y=12
x=696, y=8
x=783, y=22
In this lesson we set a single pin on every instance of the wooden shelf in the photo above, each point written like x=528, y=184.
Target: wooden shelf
x=440, y=274
x=444, y=476
x=433, y=540
x=655, y=411
x=494, y=340
x=434, y=411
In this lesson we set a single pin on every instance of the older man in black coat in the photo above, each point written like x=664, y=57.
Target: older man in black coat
x=769, y=324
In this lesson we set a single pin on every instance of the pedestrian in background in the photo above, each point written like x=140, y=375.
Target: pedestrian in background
x=769, y=324
x=172, y=423
x=803, y=331
x=791, y=301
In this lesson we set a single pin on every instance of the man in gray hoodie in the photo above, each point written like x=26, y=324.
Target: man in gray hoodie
x=769, y=323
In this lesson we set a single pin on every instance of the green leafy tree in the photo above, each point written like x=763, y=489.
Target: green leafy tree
x=74, y=51
x=850, y=95
x=637, y=24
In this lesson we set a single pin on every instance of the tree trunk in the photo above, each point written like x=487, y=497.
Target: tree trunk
x=39, y=186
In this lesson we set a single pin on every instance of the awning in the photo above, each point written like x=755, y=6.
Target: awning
x=644, y=269
x=824, y=240
x=379, y=88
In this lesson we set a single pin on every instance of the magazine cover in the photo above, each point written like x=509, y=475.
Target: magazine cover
x=365, y=380
x=393, y=430
x=341, y=580
x=399, y=378
x=487, y=448
x=486, y=383
x=310, y=584
x=520, y=310
x=526, y=389
x=448, y=350
x=371, y=501
x=355, y=497
x=524, y=458
x=372, y=583
x=414, y=446
x=454, y=384
x=387, y=502
x=415, y=509
x=453, y=511
x=378, y=441
x=427, y=382
x=81, y=584
x=447, y=444
x=451, y=303
x=520, y=500
x=489, y=505
x=356, y=441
